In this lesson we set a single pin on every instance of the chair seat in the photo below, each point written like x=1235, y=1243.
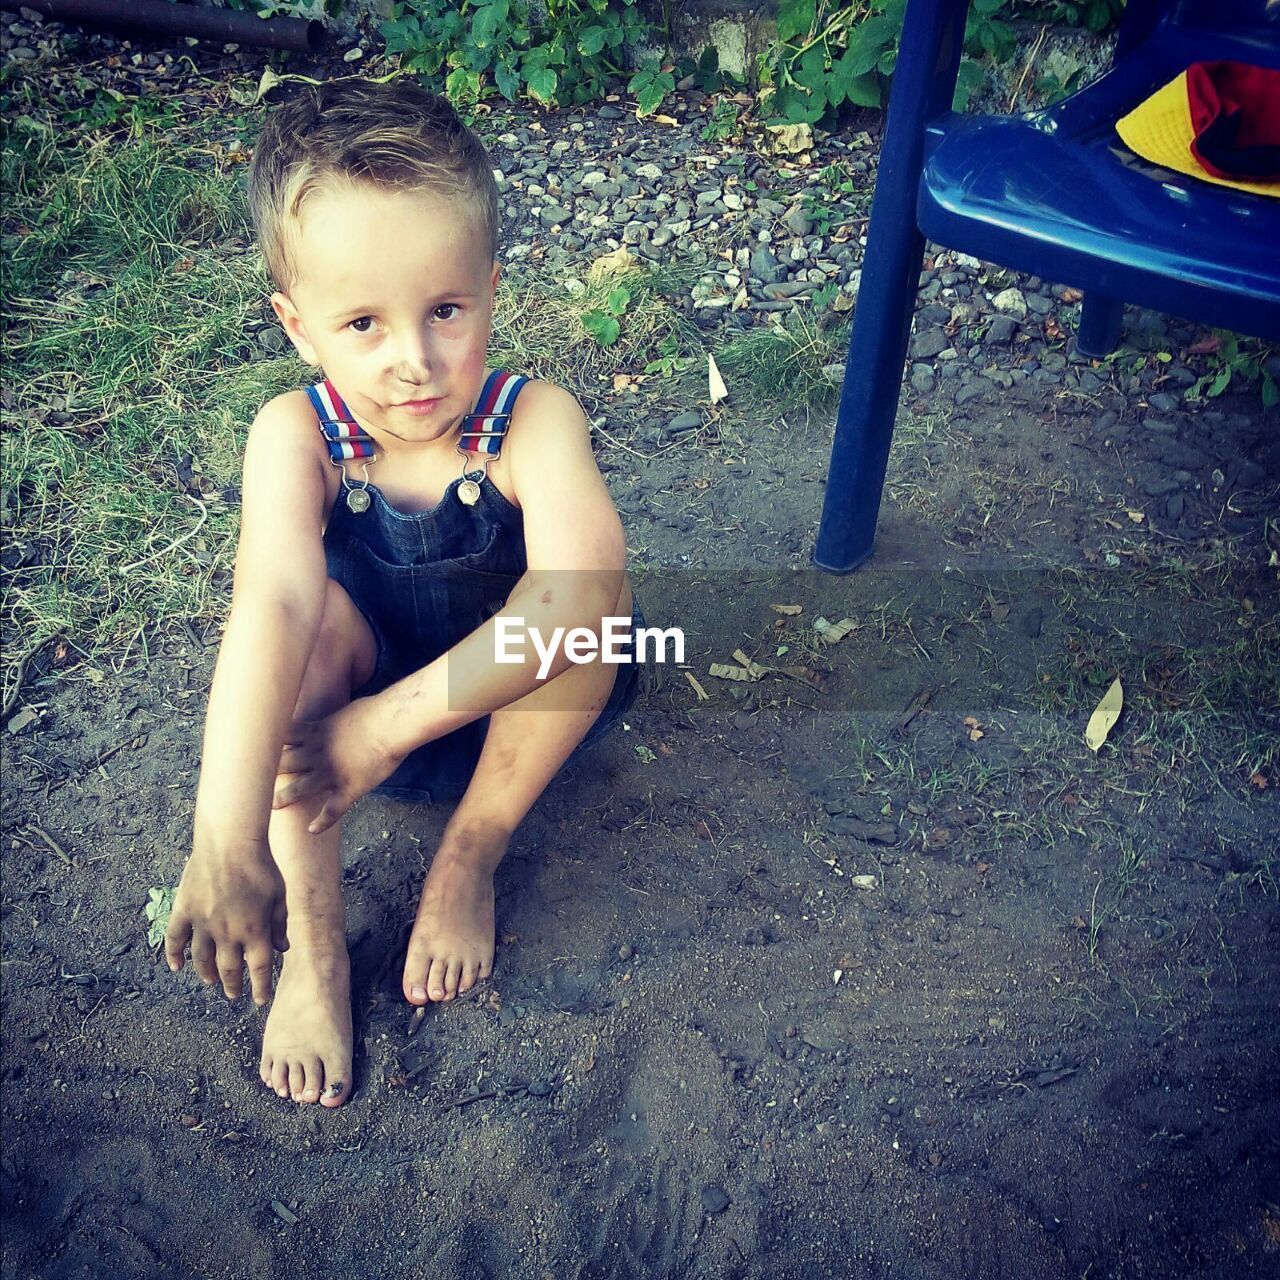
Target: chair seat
x=1059, y=195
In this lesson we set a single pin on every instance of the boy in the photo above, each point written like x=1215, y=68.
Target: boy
x=360, y=646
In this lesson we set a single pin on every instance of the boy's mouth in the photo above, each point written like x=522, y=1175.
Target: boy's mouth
x=419, y=406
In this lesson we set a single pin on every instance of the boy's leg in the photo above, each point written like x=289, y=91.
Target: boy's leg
x=453, y=936
x=306, y=1048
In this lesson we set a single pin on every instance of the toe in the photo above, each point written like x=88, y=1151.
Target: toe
x=314, y=1070
x=452, y=976
x=280, y=1077
x=337, y=1086
x=414, y=983
x=470, y=971
x=297, y=1080
x=435, y=980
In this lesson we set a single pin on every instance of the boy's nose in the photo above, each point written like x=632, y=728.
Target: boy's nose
x=415, y=360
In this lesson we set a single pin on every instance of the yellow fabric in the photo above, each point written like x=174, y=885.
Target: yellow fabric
x=1159, y=130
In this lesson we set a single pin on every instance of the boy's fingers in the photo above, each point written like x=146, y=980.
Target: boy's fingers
x=259, y=962
x=301, y=786
x=332, y=809
x=176, y=937
x=279, y=923
x=203, y=955
x=231, y=969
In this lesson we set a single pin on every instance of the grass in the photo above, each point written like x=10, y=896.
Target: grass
x=132, y=294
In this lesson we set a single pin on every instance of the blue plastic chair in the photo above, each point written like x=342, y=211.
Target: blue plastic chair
x=1056, y=194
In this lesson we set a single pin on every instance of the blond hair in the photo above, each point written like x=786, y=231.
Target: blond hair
x=396, y=136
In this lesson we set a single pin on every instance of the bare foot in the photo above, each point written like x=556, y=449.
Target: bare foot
x=306, y=1048
x=451, y=946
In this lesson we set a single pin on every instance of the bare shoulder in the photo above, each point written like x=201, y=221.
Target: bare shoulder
x=543, y=410
x=286, y=468
x=287, y=424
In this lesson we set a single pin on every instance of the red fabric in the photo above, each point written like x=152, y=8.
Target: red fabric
x=1235, y=117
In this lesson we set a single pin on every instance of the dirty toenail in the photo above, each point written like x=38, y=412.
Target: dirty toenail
x=419, y=993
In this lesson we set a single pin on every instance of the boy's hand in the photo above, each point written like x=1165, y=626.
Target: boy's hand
x=230, y=906
x=341, y=758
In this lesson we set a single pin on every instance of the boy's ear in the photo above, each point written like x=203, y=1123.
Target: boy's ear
x=493, y=280
x=288, y=316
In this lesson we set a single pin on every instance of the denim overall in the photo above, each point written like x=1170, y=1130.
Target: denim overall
x=425, y=580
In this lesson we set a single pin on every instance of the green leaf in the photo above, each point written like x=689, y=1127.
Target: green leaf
x=867, y=43
x=1097, y=17
x=1220, y=381
x=602, y=327
x=158, y=908
x=865, y=90
x=484, y=24
x=1270, y=392
x=619, y=300
x=795, y=18
x=507, y=80
x=591, y=40
x=542, y=84
x=651, y=85
x=970, y=78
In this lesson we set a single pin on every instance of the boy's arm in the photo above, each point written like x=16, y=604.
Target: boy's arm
x=230, y=904
x=576, y=553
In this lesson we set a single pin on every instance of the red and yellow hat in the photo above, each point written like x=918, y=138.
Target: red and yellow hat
x=1218, y=121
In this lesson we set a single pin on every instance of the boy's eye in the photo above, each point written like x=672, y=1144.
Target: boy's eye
x=361, y=320
x=450, y=307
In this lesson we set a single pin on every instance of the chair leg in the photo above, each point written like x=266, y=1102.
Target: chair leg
x=1099, y=332
x=923, y=85
x=869, y=400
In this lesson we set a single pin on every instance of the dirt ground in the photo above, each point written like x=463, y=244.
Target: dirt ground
x=866, y=969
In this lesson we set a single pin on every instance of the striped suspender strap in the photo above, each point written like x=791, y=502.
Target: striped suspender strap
x=483, y=429
x=341, y=431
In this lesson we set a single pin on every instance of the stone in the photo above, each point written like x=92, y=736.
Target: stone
x=928, y=344
x=1011, y=302
x=685, y=422
x=922, y=379
x=553, y=215
x=797, y=221
x=972, y=390
x=765, y=267
x=1001, y=329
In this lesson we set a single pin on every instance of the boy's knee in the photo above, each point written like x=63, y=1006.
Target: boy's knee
x=344, y=651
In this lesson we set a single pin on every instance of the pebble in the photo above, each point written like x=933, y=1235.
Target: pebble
x=927, y=344
x=1011, y=302
x=1001, y=329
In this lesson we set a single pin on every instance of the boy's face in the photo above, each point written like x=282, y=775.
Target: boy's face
x=394, y=301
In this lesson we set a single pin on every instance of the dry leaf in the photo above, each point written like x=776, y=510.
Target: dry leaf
x=975, y=728
x=788, y=139
x=740, y=301
x=715, y=383
x=617, y=263
x=999, y=612
x=789, y=609
x=621, y=381
x=1258, y=780
x=754, y=668
x=842, y=302
x=814, y=679
x=863, y=882
x=723, y=671
x=1105, y=714
x=833, y=632
x=1136, y=516
x=703, y=695
x=1071, y=295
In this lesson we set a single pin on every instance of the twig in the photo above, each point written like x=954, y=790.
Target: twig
x=626, y=448
x=127, y=569
x=11, y=700
x=49, y=840
x=1026, y=70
